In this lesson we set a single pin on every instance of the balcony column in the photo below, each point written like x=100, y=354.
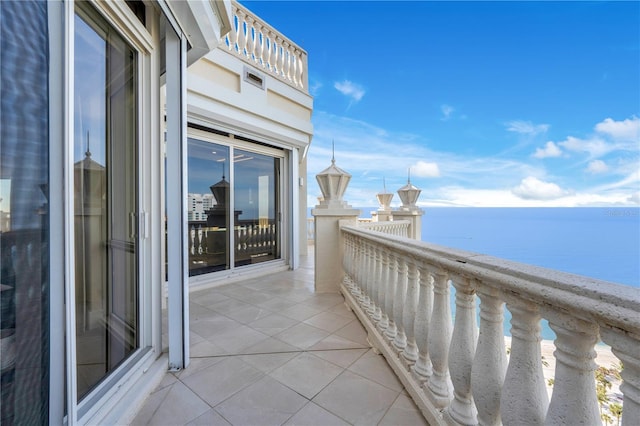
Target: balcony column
x=377, y=285
x=574, y=397
x=439, y=339
x=368, y=277
x=625, y=346
x=410, y=352
x=359, y=270
x=329, y=215
x=400, y=341
x=242, y=35
x=251, y=41
x=384, y=281
x=461, y=352
x=422, y=368
x=490, y=361
x=524, y=395
x=347, y=264
x=273, y=52
x=392, y=330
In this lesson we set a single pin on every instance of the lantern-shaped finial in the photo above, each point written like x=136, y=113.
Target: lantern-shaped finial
x=409, y=195
x=384, y=198
x=333, y=182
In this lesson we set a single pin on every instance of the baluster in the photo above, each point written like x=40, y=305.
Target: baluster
x=233, y=34
x=281, y=55
x=377, y=284
x=400, y=342
x=242, y=36
x=251, y=42
x=273, y=61
x=625, y=346
x=264, y=49
x=360, y=271
x=258, y=43
x=300, y=71
x=422, y=367
x=410, y=353
x=295, y=64
x=392, y=330
x=366, y=276
x=524, y=396
x=490, y=361
x=439, y=338
x=346, y=263
x=462, y=349
x=286, y=66
x=574, y=397
x=382, y=295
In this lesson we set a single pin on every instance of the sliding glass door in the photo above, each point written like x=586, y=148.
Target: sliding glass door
x=105, y=193
x=234, y=205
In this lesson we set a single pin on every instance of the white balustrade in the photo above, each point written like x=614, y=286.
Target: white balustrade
x=257, y=43
x=458, y=373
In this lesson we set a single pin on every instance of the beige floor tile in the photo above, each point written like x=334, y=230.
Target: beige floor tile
x=207, y=297
x=272, y=324
x=236, y=340
x=248, y=314
x=179, y=406
x=209, y=418
x=314, y=415
x=306, y=374
x=206, y=349
x=277, y=304
x=223, y=379
x=229, y=305
x=269, y=346
x=328, y=321
x=357, y=400
x=268, y=362
x=267, y=402
x=197, y=364
x=149, y=407
x=300, y=312
x=302, y=335
x=343, y=358
x=374, y=367
x=355, y=332
x=341, y=309
x=337, y=342
x=403, y=412
x=324, y=301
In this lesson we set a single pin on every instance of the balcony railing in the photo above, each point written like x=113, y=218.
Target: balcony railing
x=259, y=44
x=459, y=373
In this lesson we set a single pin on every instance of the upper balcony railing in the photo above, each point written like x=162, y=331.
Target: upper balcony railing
x=459, y=373
x=261, y=45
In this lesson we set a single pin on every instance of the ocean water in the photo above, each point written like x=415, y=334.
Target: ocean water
x=602, y=243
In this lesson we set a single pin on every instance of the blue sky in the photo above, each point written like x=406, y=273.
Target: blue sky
x=488, y=103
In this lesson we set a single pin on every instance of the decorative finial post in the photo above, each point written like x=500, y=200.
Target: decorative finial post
x=331, y=212
x=383, y=213
x=409, y=210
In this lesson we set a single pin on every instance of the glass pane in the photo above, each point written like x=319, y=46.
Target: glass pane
x=105, y=176
x=24, y=213
x=208, y=207
x=256, y=215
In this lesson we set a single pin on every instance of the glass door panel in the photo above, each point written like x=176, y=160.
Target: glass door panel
x=257, y=211
x=208, y=207
x=105, y=192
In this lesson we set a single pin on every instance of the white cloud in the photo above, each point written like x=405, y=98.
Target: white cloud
x=350, y=89
x=447, y=110
x=635, y=198
x=597, y=166
x=532, y=188
x=424, y=169
x=550, y=150
x=595, y=147
x=626, y=130
x=526, y=127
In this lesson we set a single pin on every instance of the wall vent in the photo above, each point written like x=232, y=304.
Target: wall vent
x=253, y=77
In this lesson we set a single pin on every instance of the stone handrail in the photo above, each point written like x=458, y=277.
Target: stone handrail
x=457, y=372
x=398, y=228
x=261, y=45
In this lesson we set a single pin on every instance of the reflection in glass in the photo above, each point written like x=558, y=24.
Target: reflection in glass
x=208, y=207
x=24, y=213
x=105, y=194
x=256, y=195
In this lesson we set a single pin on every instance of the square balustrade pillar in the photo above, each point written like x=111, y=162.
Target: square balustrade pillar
x=329, y=246
x=414, y=216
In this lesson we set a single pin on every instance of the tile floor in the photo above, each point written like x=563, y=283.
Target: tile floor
x=269, y=351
